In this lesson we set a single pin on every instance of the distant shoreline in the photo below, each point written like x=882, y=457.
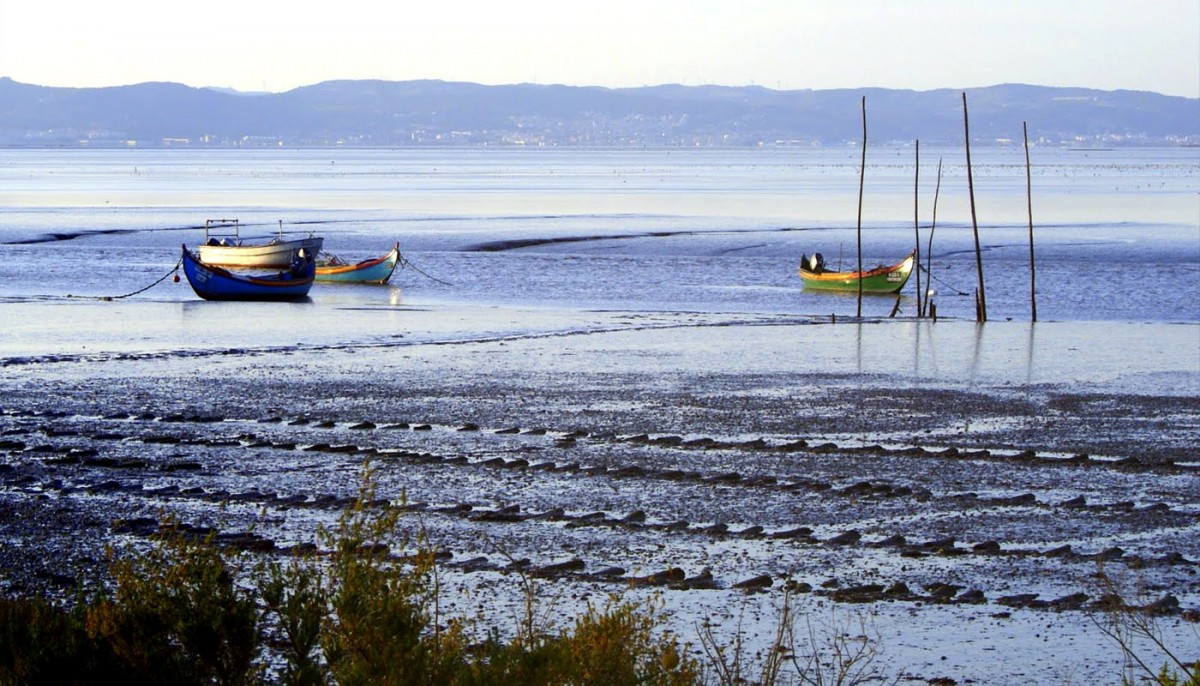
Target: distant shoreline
x=404, y=113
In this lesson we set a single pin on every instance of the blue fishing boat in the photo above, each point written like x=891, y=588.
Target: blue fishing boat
x=376, y=270
x=216, y=283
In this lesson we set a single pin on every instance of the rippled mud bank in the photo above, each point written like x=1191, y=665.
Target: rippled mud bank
x=967, y=519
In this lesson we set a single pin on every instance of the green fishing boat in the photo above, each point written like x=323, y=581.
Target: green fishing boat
x=882, y=279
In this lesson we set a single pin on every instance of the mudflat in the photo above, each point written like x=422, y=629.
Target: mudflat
x=959, y=491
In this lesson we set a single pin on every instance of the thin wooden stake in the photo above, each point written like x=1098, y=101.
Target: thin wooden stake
x=980, y=295
x=1029, y=200
x=937, y=189
x=862, y=171
x=917, y=223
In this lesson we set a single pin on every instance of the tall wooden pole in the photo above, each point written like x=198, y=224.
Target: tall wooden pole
x=862, y=171
x=1029, y=201
x=937, y=189
x=917, y=223
x=980, y=297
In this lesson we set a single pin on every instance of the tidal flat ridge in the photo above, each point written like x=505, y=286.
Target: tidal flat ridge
x=966, y=516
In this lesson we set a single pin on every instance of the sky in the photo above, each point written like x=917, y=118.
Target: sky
x=272, y=45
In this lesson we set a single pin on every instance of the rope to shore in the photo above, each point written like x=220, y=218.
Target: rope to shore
x=174, y=270
x=944, y=283
x=405, y=262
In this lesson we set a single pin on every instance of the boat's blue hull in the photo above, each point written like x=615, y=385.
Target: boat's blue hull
x=215, y=283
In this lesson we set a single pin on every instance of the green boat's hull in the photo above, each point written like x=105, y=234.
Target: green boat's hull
x=880, y=280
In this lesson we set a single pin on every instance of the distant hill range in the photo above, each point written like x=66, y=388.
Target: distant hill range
x=387, y=113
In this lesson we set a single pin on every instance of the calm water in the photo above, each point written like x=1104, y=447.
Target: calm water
x=1117, y=232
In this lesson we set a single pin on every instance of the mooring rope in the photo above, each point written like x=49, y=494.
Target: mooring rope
x=405, y=262
x=941, y=281
x=174, y=270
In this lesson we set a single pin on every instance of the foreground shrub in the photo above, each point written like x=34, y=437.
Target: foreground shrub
x=42, y=644
x=293, y=596
x=620, y=646
x=176, y=617
x=1130, y=619
x=377, y=630
x=365, y=613
x=838, y=653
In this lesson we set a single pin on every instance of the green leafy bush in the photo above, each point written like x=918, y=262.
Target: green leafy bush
x=365, y=612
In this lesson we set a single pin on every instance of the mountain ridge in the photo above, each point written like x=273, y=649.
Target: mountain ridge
x=434, y=112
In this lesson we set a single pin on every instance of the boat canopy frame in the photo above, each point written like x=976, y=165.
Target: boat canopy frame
x=222, y=232
x=228, y=232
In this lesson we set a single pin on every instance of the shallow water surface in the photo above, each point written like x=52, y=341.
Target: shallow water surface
x=1117, y=236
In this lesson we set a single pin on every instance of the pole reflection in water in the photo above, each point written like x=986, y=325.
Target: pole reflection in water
x=858, y=343
x=975, y=351
x=1029, y=344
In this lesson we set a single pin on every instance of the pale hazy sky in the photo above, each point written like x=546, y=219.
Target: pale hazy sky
x=271, y=45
